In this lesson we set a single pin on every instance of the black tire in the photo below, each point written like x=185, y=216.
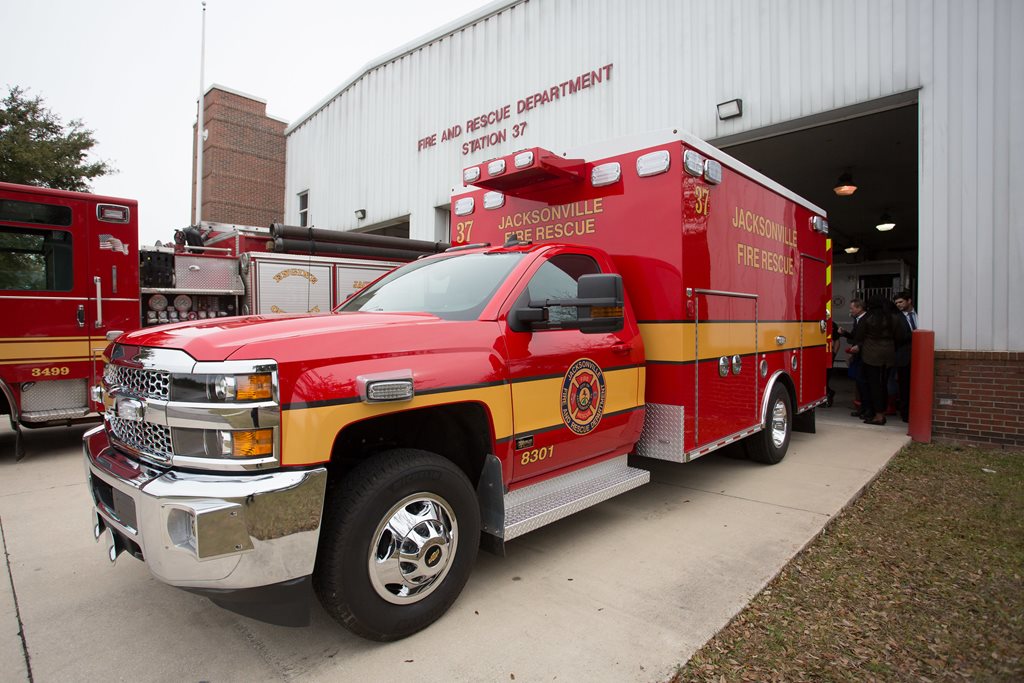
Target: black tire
x=766, y=446
x=351, y=578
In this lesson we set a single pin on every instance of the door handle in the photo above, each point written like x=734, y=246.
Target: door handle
x=99, y=301
x=80, y=316
x=622, y=348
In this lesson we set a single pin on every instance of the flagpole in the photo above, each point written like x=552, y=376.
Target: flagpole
x=200, y=138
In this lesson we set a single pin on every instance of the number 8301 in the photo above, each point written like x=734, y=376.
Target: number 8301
x=536, y=455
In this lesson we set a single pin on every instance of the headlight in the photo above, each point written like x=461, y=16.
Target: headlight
x=223, y=443
x=222, y=388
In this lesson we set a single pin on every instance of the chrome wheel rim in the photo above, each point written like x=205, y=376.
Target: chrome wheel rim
x=412, y=549
x=780, y=423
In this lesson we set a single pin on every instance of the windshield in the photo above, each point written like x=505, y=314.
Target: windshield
x=454, y=288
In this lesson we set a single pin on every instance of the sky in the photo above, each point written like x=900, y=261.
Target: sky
x=129, y=70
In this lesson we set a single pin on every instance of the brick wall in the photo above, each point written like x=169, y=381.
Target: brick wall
x=979, y=397
x=243, y=161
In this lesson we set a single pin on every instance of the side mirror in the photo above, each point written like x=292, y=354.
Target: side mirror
x=599, y=308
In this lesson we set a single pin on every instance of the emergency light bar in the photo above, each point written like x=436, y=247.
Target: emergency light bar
x=524, y=171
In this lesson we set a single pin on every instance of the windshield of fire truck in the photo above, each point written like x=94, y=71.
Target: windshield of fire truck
x=453, y=288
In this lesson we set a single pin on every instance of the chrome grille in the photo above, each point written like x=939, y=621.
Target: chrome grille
x=148, y=383
x=145, y=437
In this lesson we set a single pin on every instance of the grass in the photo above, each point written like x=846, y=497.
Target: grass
x=919, y=580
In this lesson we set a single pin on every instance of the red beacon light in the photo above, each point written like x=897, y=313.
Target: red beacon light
x=524, y=172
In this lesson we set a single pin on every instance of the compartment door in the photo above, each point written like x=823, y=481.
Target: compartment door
x=814, y=355
x=726, y=367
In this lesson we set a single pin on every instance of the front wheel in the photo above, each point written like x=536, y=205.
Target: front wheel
x=399, y=538
x=771, y=443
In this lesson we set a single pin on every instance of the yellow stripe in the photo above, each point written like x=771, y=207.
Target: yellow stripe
x=539, y=403
x=828, y=275
x=43, y=349
x=828, y=244
x=306, y=440
x=46, y=338
x=668, y=342
x=674, y=342
x=641, y=387
x=44, y=361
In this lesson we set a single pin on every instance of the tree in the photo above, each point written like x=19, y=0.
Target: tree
x=36, y=148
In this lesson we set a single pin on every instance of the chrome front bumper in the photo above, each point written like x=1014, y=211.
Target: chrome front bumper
x=215, y=531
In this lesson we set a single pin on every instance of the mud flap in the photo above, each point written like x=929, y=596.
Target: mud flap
x=804, y=422
x=490, y=492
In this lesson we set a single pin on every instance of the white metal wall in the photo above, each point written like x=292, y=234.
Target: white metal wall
x=673, y=61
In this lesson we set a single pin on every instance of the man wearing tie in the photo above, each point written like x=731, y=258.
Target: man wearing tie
x=905, y=303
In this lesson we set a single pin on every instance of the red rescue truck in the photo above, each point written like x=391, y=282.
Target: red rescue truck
x=647, y=299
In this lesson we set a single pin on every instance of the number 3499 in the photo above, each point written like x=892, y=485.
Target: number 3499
x=56, y=371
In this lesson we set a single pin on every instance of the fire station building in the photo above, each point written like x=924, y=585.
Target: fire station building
x=900, y=117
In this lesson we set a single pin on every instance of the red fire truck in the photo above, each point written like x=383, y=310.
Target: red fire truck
x=72, y=272
x=648, y=299
x=69, y=273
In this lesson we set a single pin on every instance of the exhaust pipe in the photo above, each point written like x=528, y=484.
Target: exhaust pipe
x=324, y=236
x=283, y=245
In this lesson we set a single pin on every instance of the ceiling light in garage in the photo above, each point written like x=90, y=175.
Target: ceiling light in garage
x=844, y=186
x=885, y=223
x=851, y=250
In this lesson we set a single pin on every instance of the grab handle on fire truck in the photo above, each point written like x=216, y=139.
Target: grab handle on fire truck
x=99, y=301
x=80, y=316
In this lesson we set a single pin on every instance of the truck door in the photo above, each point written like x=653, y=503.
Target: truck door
x=113, y=277
x=726, y=367
x=574, y=396
x=44, y=349
x=814, y=357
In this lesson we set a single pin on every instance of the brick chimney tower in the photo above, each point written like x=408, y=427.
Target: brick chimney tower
x=243, y=160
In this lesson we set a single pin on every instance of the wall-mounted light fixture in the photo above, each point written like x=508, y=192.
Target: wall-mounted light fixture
x=851, y=250
x=360, y=214
x=730, y=109
x=885, y=223
x=844, y=186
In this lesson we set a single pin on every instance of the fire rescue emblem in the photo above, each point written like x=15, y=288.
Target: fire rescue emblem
x=583, y=396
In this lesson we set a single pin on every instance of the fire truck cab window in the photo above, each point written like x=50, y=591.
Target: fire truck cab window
x=452, y=288
x=13, y=211
x=558, y=279
x=35, y=260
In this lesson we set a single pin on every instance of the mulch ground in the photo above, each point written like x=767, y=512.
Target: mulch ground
x=919, y=580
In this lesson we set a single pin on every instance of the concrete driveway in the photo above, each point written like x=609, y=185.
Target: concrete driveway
x=624, y=591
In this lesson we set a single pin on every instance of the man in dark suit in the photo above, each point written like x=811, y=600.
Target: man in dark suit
x=863, y=397
x=905, y=303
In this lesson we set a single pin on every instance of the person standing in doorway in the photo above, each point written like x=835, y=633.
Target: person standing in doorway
x=905, y=303
x=862, y=399
x=875, y=338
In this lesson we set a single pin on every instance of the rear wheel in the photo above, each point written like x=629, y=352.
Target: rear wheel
x=399, y=538
x=771, y=443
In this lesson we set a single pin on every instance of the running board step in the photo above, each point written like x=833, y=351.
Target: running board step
x=56, y=414
x=532, y=507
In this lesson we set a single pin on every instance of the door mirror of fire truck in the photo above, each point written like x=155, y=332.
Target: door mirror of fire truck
x=599, y=308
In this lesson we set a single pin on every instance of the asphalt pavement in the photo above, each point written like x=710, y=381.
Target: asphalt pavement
x=624, y=591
